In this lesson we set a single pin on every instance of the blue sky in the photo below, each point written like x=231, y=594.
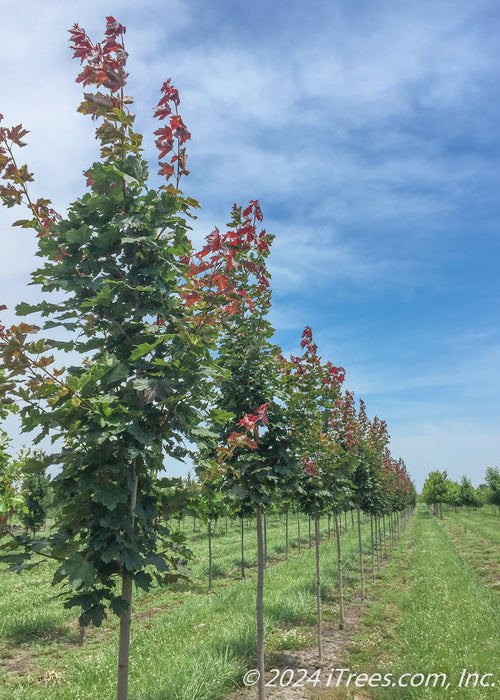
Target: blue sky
x=369, y=133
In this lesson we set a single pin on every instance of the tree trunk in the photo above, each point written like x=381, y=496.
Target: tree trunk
x=242, y=548
x=362, y=573
x=341, y=588
x=318, y=592
x=260, y=605
x=310, y=538
x=210, y=555
x=125, y=617
x=265, y=539
x=372, y=548
x=286, y=535
x=377, y=540
x=82, y=636
x=298, y=530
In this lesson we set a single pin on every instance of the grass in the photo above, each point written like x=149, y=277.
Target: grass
x=186, y=645
x=432, y=614
x=476, y=534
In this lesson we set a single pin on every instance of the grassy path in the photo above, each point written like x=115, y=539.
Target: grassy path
x=433, y=615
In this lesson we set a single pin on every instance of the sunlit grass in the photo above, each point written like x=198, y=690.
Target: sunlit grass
x=434, y=615
x=186, y=645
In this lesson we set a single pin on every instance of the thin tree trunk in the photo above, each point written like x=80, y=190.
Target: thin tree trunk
x=372, y=548
x=329, y=525
x=318, y=591
x=125, y=617
x=210, y=555
x=362, y=573
x=82, y=637
x=260, y=604
x=298, y=530
x=286, y=536
x=377, y=540
x=385, y=538
x=352, y=518
x=341, y=588
x=242, y=548
x=265, y=539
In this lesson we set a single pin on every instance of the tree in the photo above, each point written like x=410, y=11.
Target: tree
x=312, y=389
x=11, y=497
x=255, y=468
x=36, y=491
x=453, y=496
x=145, y=319
x=435, y=490
x=468, y=496
x=493, y=481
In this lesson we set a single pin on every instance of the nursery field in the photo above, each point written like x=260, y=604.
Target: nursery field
x=433, y=609
x=186, y=644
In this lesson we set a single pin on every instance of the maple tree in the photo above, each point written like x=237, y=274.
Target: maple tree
x=312, y=390
x=144, y=311
x=254, y=466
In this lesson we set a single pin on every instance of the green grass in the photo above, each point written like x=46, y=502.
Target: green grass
x=186, y=645
x=476, y=535
x=433, y=615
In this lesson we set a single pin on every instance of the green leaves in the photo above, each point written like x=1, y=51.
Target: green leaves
x=79, y=571
x=109, y=495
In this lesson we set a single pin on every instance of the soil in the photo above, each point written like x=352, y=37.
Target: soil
x=336, y=647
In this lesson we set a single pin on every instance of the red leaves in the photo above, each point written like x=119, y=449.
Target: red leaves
x=309, y=466
x=15, y=134
x=166, y=169
x=15, y=191
x=175, y=130
x=105, y=61
x=114, y=28
x=249, y=422
x=170, y=94
x=307, y=341
x=215, y=275
x=262, y=414
x=81, y=43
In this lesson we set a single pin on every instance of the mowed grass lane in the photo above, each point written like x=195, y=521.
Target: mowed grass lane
x=433, y=616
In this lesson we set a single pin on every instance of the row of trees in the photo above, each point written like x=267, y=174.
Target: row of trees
x=439, y=490
x=173, y=347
